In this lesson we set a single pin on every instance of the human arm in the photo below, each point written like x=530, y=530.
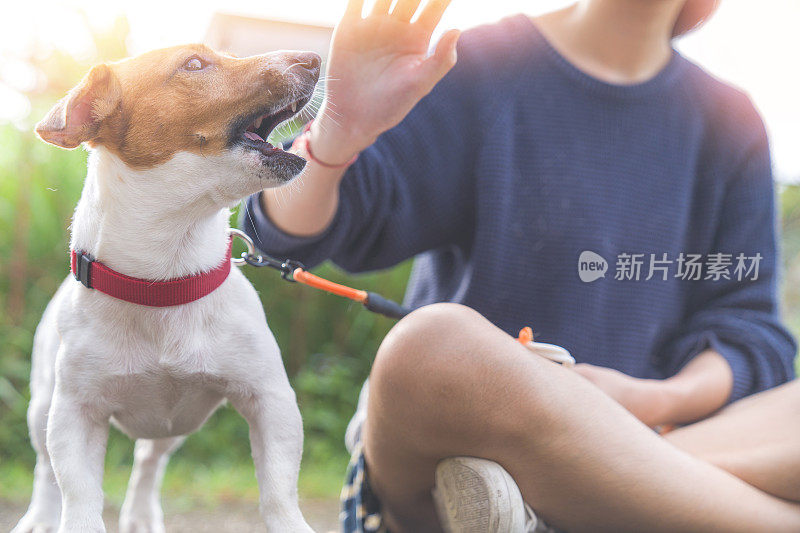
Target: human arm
x=739, y=317
x=699, y=389
x=410, y=191
x=731, y=339
x=378, y=69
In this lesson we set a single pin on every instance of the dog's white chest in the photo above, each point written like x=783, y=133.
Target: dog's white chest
x=158, y=405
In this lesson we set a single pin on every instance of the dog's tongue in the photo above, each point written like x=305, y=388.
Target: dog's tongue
x=253, y=136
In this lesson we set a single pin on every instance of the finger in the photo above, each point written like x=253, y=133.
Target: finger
x=354, y=9
x=431, y=14
x=405, y=9
x=443, y=58
x=445, y=52
x=381, y=7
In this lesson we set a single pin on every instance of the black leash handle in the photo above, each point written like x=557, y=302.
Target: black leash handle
x=384, y=306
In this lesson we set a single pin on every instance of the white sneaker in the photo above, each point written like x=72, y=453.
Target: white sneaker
x=478, y=496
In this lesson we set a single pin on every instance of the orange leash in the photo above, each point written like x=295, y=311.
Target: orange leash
x=294, y=271
x=371, y=300
x=307, y=278
x=357, y=295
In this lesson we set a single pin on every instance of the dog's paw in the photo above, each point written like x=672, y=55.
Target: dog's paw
x=294, y=528
x=140, y=522
x=297, y=525
x=36, y=524
x=141, y=514
x=132, y=524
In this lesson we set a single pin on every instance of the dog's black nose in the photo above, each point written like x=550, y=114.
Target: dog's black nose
x=310, y=61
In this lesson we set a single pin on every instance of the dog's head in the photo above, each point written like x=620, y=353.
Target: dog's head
x=188, y=99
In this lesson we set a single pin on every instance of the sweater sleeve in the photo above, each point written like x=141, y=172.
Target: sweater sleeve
x=411, y=191
x=739, y=319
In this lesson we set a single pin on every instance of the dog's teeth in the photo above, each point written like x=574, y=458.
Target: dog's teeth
x=257, y=123
x=253, y=136
x=279, y=145
x=294, y=107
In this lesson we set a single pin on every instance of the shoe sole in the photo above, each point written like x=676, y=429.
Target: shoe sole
x=477, y=496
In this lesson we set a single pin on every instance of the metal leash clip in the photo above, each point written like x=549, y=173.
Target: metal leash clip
x=250, y=254
x=250, y=257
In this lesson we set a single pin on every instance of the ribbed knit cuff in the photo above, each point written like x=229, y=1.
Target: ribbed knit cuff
x=268, y=237
x=743, y=378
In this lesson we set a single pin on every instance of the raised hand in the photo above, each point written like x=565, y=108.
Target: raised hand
x=378, y=70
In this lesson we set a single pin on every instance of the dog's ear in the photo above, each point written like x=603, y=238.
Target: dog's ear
x=77, y=117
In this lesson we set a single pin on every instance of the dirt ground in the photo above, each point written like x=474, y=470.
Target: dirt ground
x=322, y=515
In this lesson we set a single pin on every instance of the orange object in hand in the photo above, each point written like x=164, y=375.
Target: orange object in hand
x=525, y=335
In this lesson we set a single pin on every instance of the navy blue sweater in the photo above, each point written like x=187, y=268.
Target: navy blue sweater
x=517, y=162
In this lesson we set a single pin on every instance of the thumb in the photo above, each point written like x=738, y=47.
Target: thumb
x=443, y=58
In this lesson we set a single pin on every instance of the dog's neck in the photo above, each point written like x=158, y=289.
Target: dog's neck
x=151, y=224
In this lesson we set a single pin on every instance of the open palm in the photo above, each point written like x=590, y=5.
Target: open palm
x=379, y=69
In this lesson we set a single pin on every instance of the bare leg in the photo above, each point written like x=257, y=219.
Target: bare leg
x=447, y=382
x=141, y=511
x=756, y=439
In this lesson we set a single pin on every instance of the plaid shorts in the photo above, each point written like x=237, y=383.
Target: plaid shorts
x=361, y=509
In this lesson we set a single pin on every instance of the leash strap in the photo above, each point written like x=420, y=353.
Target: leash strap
x=295, y=271
x=372, y=301
x=95, y=275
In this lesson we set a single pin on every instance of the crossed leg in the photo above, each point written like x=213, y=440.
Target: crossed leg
x=447, y=382
x=757, y=439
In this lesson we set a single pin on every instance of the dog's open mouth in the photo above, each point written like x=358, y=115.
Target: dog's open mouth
x=257, y=129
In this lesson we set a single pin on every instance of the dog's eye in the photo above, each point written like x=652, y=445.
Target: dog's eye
x=194, y=63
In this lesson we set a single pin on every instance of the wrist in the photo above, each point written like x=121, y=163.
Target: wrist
x=702, y=387
x=674, y=396
x=335, y=143
x=654, y=401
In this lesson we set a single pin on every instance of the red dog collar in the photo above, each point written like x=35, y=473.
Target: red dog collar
x=178, y=291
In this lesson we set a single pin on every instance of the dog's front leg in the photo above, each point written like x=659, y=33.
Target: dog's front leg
x=76, y=439
x=276, y=442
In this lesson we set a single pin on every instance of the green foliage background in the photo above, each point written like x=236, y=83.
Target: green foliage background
x=328, y=344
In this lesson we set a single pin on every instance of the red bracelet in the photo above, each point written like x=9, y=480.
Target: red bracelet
x=305, y=141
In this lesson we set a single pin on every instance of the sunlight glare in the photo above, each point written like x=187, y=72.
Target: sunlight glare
x=756, y=53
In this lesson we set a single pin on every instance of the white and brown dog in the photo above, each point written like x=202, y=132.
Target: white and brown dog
x=176, y=137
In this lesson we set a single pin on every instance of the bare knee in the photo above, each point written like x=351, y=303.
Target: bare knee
x=442, y=370
x=423, y=345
